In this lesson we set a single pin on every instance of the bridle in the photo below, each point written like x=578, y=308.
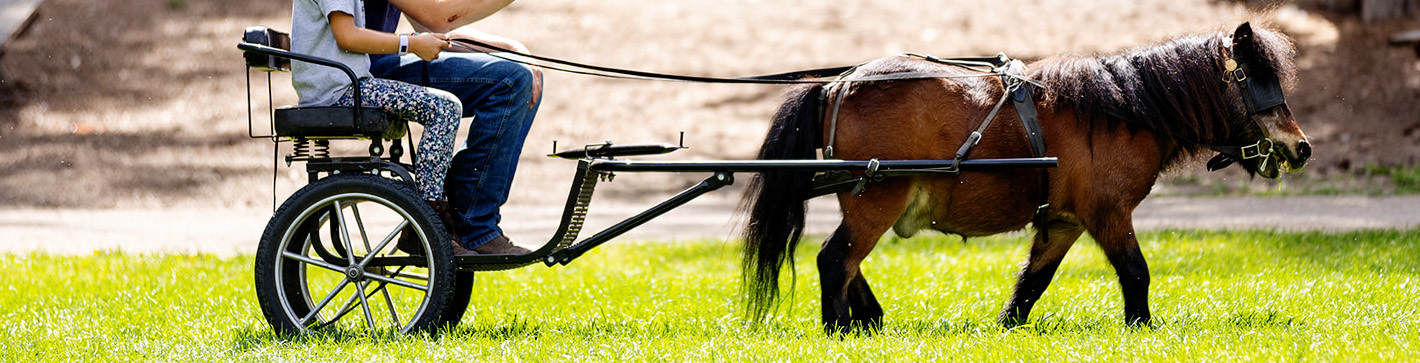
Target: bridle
x=1259, y=94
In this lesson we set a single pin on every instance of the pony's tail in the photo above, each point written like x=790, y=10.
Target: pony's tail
x=775, y=200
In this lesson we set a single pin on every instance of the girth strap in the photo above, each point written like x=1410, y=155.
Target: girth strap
x=1023, y=98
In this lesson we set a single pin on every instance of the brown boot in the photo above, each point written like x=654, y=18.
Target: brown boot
x=409, y=240
x=501, y=245
x=460, y=251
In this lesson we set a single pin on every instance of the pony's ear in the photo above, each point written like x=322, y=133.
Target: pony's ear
x=1243, y=34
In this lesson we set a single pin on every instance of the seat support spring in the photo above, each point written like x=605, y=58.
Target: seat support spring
x=306, y=149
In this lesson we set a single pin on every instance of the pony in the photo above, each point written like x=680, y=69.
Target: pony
x=1115, y=122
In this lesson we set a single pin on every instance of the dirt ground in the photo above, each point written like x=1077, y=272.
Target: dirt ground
x=140, y=104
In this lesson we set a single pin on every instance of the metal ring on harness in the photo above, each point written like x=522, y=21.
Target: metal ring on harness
x=1257, y=151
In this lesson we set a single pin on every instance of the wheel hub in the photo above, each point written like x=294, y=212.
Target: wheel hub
x=355, y=274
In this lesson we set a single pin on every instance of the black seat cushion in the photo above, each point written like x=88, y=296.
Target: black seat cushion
x=336, y=123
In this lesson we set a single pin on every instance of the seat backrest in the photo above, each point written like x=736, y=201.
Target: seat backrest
x=332, y=122
x=268, y=37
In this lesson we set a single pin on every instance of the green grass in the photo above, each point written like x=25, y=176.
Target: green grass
x=1405, y=180
x=1216, y=296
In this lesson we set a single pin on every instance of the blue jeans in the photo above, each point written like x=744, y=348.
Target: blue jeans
x=497, y=94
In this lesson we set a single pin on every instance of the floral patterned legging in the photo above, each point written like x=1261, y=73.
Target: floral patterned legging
x=436, y=109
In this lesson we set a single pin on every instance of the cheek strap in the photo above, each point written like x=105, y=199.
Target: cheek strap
x=1227, y=155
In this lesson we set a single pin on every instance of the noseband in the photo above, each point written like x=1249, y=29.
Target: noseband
x=1259, y=94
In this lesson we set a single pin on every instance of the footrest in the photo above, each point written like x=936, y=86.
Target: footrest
x=578, y=203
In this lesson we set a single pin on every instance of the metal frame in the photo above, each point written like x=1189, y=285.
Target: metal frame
x=722, y=174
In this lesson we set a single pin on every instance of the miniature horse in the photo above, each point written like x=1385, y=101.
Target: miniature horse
x=1114, y=122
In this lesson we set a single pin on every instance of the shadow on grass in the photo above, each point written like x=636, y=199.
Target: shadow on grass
x=262, y=341
x=515, y=329
x=255, y=340
x=1055, y=325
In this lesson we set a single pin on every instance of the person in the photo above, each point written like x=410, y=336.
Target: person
x=334, y=29
x=501, y=96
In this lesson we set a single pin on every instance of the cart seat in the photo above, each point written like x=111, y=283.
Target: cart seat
x=337, y=122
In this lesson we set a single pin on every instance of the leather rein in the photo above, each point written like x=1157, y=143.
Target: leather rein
x=811, y=76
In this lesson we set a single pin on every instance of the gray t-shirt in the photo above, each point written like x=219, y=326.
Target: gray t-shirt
x=319, y=85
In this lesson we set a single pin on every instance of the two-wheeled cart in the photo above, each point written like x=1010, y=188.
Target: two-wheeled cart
x=328, y=259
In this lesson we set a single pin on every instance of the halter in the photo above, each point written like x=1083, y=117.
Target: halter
x=1259, y=95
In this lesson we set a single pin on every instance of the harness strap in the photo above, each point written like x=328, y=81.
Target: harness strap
x=1023, y=98
x=1227, y=155
x=833, y=116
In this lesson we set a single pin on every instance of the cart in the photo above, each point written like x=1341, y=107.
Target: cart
x=328, y=261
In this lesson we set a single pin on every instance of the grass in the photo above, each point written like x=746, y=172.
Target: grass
x=1405, y=180
x=1216, y=296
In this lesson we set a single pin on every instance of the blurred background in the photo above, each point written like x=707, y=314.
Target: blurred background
x=141, y=104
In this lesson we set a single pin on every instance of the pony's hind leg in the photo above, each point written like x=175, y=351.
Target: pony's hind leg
x=848, y=302
x=835, y=273
x=864, y=308
x=1039, y=269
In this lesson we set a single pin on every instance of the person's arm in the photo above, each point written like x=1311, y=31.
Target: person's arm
x=474, y=34
x=443, y=16
x=501, y=42
x=360, y=40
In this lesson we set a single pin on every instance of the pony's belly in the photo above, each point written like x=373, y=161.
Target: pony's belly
x=952, y=206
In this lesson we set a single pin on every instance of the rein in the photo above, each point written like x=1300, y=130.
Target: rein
x=811, y=76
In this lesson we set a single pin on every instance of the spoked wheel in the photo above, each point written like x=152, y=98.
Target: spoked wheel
x=330, y=260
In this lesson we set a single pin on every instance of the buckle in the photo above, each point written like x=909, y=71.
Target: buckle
x=1232, y=72
x=1256, y=150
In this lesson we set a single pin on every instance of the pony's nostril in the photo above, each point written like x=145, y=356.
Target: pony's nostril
x=1304, y=150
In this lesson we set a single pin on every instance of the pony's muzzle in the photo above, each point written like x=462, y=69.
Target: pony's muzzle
x=1297, y=156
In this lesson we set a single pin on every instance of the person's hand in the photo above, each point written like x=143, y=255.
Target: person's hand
x=536, y=86
x=428, y=45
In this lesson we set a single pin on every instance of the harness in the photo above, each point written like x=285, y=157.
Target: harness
x=1018, y=89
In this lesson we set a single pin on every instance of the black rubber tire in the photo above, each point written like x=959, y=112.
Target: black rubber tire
x=292, y=261
x=458, y=302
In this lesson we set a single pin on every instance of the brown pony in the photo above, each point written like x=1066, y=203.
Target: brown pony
x=1115, y=122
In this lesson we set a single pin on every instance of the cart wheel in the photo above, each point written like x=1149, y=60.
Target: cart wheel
x=458, y=300
x=328, y=260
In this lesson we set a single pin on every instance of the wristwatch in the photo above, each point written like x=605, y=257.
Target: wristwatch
x=403, y=44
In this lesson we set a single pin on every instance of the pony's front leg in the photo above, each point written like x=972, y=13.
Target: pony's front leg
x=1116, y=238
x=1039, y=270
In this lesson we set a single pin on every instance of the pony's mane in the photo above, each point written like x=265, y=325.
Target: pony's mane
x=1173, y=89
